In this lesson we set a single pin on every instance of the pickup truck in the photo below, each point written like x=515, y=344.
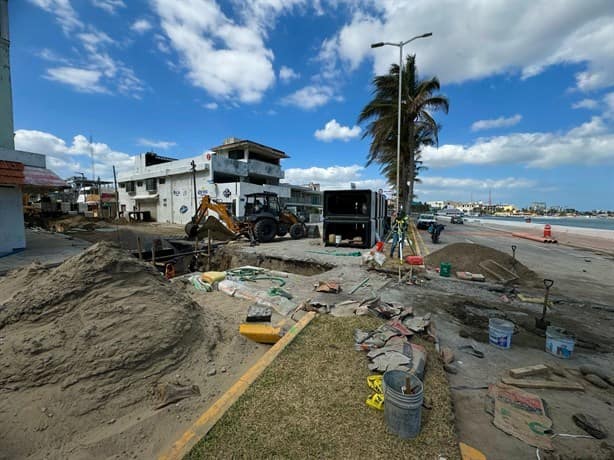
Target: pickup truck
x=425, y=220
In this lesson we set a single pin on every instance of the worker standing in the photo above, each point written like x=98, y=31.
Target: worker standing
x=399, y=230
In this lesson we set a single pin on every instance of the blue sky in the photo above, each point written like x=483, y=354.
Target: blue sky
x=531, y=87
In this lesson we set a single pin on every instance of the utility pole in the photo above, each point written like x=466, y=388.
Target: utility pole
x=116, y=194
x=193, y=164
x=93, y=162
x=99, y=199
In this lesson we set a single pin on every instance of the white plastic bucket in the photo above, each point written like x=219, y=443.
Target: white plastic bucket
x=559, y=343
x=337, y=239
x=500, y=332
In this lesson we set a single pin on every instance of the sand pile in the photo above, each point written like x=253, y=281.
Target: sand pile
x=467, y=257
x=96, y=332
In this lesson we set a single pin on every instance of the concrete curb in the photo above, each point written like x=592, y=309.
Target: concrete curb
x=211, y=416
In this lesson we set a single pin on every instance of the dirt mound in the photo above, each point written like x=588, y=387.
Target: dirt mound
x=467, y=257
x=90, y=336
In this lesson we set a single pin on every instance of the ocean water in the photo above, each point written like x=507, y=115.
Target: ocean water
x=602, y=223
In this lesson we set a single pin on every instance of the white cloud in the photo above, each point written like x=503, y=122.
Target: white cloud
x=334, y=131
x=609, y=103
x=140, y=26
x=93, y=70
x=287, y=74
x=479, y=38
x=586, y=104
x=227, y=59
x=501, y=122
x=437, y=182
x=67, y=159
x=588, y=144
x=211, y=105
x=63, y=11
x=82, y=80
x=309, y=97
x=110, y=6
x=334, y=177
x=156, y=144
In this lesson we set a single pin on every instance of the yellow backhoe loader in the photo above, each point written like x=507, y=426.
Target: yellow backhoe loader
x=264, y=219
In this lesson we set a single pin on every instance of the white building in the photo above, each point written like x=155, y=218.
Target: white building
x=164, y=187
x=436, y=204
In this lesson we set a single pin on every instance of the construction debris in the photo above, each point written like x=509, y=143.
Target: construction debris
x=546, y=384
x=538, y=369
x=256, y=313
x=169, y=393
x=261, y=333
x=331, y=287
x=591, y=425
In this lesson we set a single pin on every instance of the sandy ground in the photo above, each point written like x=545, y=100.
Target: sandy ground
x=84, y=346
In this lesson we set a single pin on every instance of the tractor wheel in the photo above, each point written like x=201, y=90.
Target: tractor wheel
x=282, y=229
x=265, y=230
x=297, y=231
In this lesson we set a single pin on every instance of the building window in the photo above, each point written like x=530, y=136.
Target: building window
x=122, y=185
x=236, y=154
x=151, y=185
x=161, y=180
x=139, y=183
x=130, y=188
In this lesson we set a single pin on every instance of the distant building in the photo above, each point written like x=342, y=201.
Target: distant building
x=538, y=206
x=436, y=204
x=305, y=201
x=164, y=188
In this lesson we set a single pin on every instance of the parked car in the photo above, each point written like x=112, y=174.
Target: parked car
x=425, y=221
x=457, y=220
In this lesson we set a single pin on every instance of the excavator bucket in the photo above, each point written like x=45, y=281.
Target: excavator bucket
x=218, y=230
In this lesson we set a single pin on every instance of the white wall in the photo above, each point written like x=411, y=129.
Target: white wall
x=12, y=230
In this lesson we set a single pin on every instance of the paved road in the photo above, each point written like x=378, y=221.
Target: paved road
x=577, y=273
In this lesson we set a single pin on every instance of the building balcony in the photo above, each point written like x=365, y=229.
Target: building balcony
x=264, y=169
x=229, y=167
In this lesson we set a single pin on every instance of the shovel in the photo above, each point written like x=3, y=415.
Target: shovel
x=541, y=323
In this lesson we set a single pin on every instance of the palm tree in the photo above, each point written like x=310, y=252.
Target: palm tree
x=418, y=127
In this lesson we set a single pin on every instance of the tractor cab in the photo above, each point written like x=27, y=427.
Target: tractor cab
x=269, y=219
x=262, y=204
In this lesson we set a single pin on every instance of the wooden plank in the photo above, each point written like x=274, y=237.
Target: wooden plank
x=546, y=384
x=538, y=369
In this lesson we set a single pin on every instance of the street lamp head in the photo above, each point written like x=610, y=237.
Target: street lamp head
x=377, y=45
x=429, y=34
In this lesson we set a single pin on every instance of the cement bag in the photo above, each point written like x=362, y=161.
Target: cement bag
x=213, y=277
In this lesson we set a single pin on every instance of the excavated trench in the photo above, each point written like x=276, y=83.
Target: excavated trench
x=226, y=258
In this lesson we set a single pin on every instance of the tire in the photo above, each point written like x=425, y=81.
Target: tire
x=297, y=231
x=265, y=230
x=282, y=229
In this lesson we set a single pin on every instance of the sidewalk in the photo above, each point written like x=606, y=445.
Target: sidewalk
x=581, y=238
x=43, y=247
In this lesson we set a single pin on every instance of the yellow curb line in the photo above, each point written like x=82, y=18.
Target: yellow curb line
x=419, y=241
x=210, y=417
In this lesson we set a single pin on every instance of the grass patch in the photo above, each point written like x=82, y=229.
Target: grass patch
x=310, y=402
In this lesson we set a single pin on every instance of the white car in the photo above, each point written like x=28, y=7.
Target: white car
x=425, y=220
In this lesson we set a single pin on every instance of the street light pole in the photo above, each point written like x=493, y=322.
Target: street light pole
x=400, y=45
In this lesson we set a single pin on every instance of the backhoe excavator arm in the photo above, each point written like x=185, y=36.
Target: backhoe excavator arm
x=207, y=204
